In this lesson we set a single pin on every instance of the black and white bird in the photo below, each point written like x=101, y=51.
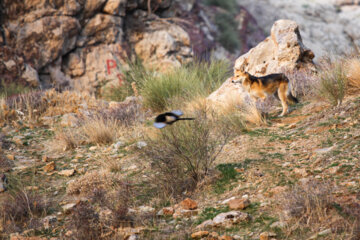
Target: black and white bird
x=169, y=118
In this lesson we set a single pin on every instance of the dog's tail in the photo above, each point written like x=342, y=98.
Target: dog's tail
x=291, y=98
x=289, y=95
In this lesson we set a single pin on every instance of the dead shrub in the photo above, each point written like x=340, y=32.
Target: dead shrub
x=5, y=164
x=65, y=139
x=87, y=183
x=126, y=113
x=99, y=130
x=21, y=209
x=307, y=205
x=84, y=222
x=352, y=67
x=182, y=154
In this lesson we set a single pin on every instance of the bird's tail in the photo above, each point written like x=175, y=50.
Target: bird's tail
x=186, y=118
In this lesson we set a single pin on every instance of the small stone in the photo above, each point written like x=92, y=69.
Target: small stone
x=92, y=148
x=267, y=235
x=68, y=207
x=325, y=232
x=225, y=237
x=141, y=144
x=49, y=221
x=44, y=158
x=10, y=157
x=323, y=150
x=146, y=209
x=188, y=204
x=199, y=235
x=49, y=167
x=227, y=200
x=168, y=211
x=17, y=140
x=229, y=218
x=278, y=225
x=207, y=223
x=32, y=188
x=300, y=172
x=185, y=213
x=118, y=145
x=238, y=204
x=67, y=173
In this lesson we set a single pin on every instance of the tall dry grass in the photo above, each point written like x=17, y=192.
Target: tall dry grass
x=352, y=68
x=99, y=130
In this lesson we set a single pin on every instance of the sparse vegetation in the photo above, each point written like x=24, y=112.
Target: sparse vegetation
x=332, y=82
x=229, y=5
x=185, y=155
x=98, y=130
x=228, y=33
x=183, y=84
x=11, y=89
x=21, y=209
x=352, y=68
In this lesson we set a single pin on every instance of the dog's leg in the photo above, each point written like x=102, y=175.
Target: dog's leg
x=282, y=95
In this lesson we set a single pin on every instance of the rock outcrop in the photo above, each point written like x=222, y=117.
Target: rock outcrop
x=84, y=45
x=282, y=50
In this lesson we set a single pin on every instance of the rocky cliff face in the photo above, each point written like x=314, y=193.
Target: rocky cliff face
x=84, y=44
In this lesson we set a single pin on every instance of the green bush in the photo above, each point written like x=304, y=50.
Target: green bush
x=136, y=73
x=183, y=84
x=228, y=32
x=10, y=89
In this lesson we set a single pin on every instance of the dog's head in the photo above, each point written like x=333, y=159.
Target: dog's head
x=239, y=76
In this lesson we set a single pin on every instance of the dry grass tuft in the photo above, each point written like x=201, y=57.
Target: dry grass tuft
x=352, y=67
x=332, y=81
x=20, y=210
x=307, y=205
x=65, y=139
x=84, y=222
x=98, y=130
x=91, y=181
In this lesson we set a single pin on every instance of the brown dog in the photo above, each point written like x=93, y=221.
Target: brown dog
x=260, y=87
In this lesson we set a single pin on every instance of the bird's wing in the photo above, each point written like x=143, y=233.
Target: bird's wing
x=159, y=124
x=177, y=112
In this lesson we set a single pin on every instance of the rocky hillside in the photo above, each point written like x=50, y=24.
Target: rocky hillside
x=76, y=166
x=86, y=45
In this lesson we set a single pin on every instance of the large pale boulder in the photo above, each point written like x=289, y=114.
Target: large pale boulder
x=46, y=39
x=161, y=44
x=282, y=50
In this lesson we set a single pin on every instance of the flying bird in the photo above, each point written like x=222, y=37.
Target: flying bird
x=169, y=118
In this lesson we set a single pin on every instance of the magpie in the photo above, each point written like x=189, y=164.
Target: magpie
x=169, y=118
